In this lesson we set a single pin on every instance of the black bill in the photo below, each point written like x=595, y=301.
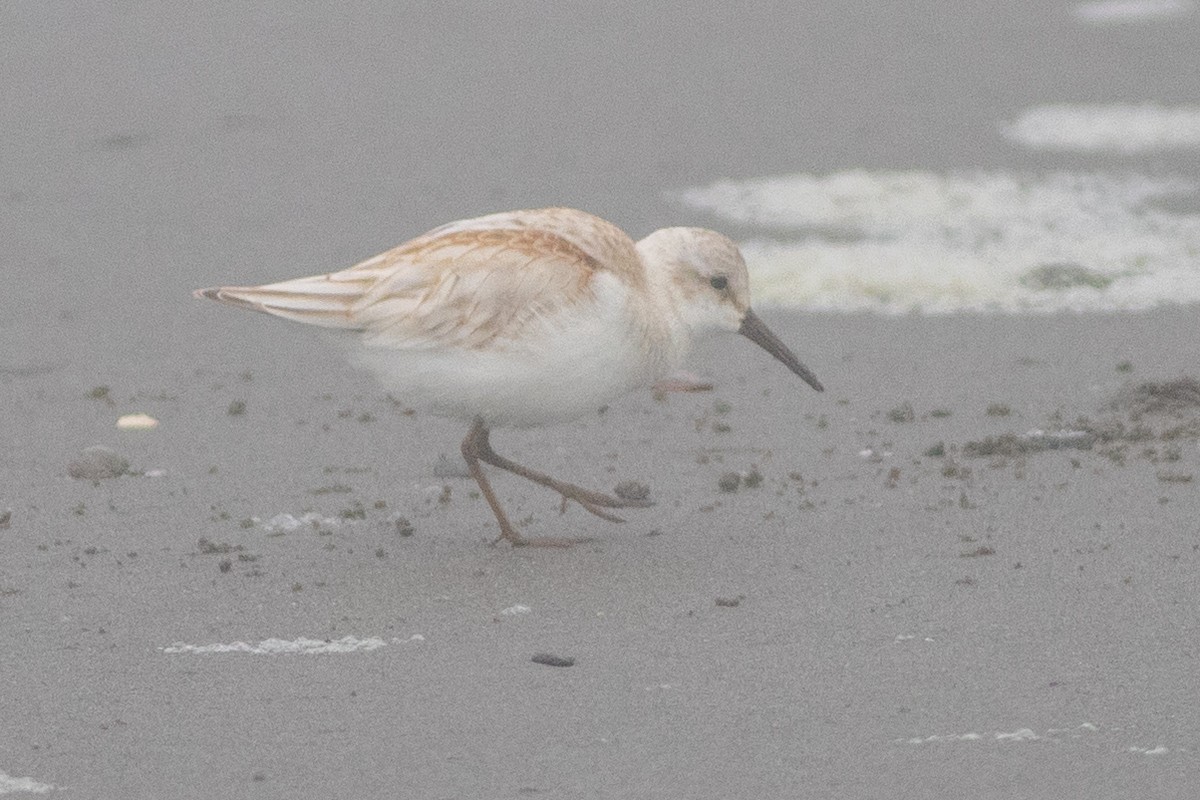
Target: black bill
x=756, y=331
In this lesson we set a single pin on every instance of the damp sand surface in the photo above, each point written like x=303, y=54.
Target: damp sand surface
x=311, y=602
x=288, y=591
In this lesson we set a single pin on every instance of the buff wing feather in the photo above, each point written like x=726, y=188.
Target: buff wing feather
x=466, y=285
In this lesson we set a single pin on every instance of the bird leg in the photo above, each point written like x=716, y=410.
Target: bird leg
x=592, y=501
x=507, y=531
x=476, y=447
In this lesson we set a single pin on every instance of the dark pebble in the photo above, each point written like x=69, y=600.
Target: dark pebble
x=401, y=525
x=551, y=660
x=632, y=490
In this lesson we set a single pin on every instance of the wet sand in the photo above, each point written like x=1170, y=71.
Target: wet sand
x=879, y=613
x=876, y=615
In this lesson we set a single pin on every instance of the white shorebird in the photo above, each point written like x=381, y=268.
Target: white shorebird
x=527, y=318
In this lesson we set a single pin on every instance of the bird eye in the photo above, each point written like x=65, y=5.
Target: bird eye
x=718, y=282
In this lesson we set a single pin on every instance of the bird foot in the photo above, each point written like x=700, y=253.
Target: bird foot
x=681, y=382
x=517, y=540
x=595, y=502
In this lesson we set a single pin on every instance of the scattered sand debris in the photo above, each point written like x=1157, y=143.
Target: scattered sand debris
x=1114, y=430
x=1174, y=398
x=632, y=490
x=730, y=482
x=1035, y=441
x=902, y=413
x=1164, y=410
x=400, y=524
x=97, y=463
x=208, y=547
x=552, y=660
x=136, y=422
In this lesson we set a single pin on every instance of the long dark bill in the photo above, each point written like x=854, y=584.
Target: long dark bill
x=756, y=331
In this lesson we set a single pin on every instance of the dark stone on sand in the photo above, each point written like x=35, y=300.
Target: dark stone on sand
x=552, y=660
x=632, y=490
x=401, y=525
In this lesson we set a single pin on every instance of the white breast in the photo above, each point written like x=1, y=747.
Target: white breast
x=566, y=366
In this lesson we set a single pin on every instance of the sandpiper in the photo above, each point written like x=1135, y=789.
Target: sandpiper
x=527, y=318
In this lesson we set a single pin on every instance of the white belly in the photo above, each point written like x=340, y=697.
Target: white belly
x=563, y=368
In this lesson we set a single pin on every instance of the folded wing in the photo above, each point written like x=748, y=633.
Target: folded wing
x=470, y=284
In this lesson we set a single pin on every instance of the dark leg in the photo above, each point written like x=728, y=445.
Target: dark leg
x=470, y=450
x=590, y=500
x=476, y=448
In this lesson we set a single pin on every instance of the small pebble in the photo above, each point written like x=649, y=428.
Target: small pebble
x=5, y=517
x=137, y=422
x=551, y=660
x=730, y=482
x=96, y=463
x=401, y=525
x=632, y=490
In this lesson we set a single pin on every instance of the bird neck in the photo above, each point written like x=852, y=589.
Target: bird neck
x=659, y=255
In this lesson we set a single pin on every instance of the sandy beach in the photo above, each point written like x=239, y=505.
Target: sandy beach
x=968, y=569
x=873, y=609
